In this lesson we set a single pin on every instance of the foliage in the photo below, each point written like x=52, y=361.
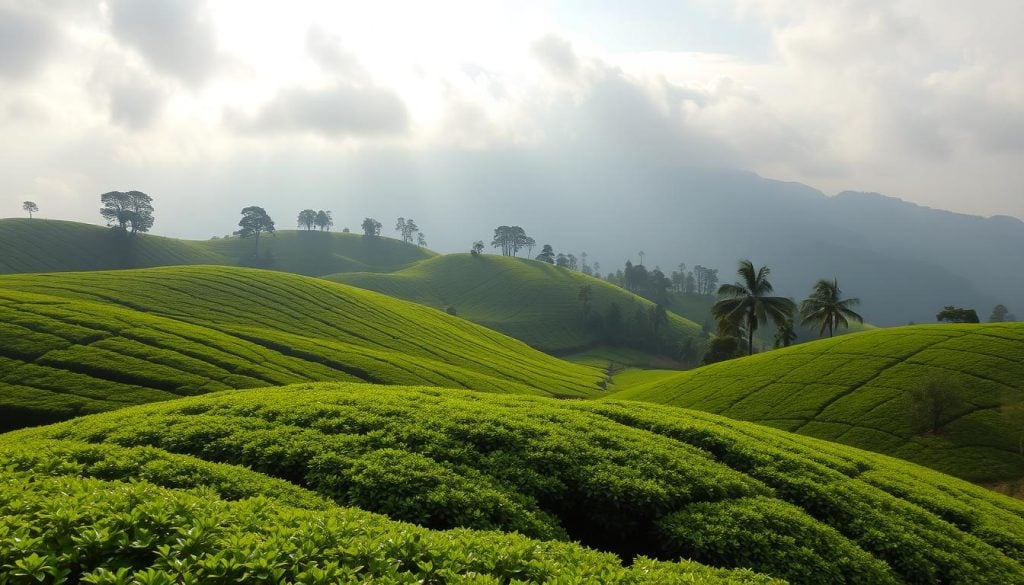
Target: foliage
x=406, y=228
x=532, y=301
x=66, y=529
x=1000, y=314
x=85, y=342
x=722, y=347
x=853, y=389
x=478, y=248
x=511, y=239
x=307, y=219
x=547, y=254
x=621, y=477
x=131, y=208
x=748, y=303
x=30, y=207
x=323, y=220
x=254, y=222
x=951, y=314
x=52, y=245
x=371, y=227
x=827, y=309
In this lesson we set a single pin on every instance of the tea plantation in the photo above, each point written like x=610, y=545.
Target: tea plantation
x=40, y=245
x=854, y=390
x=532, y=301
x=86, y=342
x=637, y=480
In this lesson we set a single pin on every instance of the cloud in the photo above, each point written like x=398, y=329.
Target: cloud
x=556, y=55
x=26, y=41
x=325, y=49
x=176, y=37
x=350, y=105
x=334, y=112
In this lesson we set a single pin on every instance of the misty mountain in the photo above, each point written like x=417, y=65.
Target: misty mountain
x=903, y=260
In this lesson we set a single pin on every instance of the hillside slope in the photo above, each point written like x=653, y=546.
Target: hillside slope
x=40, y=245
x=622, y=477
x=854, y=389
x=83, y=342
x=532, y=301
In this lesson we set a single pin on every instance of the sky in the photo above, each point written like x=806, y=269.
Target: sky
x=210, y=106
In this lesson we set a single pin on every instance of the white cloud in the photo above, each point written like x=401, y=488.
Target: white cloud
x=917, y=98
x=175, y=37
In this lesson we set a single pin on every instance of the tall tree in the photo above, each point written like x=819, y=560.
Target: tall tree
x=641, y=254
x=421, y=240
x=254, y=222
x=511, y=239
x=132, y=211
x=748, y=302
x=307, y=219
x=30, y=207
x=999, y=314
x=323, y=220
x=371, y=227
x=827, y=309
x=547, y=254
x=400, y=228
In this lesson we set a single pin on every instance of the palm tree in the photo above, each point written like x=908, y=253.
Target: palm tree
x=748, y=303
x=827, y=308
x=785, y=335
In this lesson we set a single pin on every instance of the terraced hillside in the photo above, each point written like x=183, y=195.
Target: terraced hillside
x=854, y=390
x=39, y=245
x=85, y=342
x=532, y=301
x=622, y=477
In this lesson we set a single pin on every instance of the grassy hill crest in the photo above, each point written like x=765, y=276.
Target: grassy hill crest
x=853, y=390
x=84, y=342
x=533, y=301
x=40, y=245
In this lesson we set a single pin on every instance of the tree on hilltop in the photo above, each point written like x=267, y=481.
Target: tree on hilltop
x=747, y=302
x=478, y=248
x=131, y=211
x=254, y=222
x=307, y=219
x=371, y=227
x=511, y=239
x=30, y=207
x=323, y=220
x=827, y=309
x=547, y=254
x=951, y=314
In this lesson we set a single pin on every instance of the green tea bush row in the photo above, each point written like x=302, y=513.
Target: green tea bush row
x=56, y=530
x=625, y=477
x=220, y=297
x=854, y=389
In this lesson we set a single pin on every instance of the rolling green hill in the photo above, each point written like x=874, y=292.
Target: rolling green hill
x=84, y=342
x=39, y=245
x=854, y=390
x=622, y=477
x=532, y=301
